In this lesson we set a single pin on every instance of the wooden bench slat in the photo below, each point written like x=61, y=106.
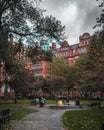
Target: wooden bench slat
x=5, y=114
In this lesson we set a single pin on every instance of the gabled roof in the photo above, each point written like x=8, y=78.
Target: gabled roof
x=74, y=46
x=86, y=35
x=65, y=44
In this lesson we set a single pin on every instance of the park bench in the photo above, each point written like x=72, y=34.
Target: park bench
x=102, y=126
x=64, y=98
x=5, y=115
x=1, y=124
x=34, y=102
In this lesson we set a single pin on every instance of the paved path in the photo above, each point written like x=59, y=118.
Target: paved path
x=44, y=119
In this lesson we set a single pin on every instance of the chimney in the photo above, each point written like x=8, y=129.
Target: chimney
x=11, y=39
x=53, y=46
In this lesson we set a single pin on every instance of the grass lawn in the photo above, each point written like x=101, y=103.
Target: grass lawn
x=17, y=109
x=50, y=101
x=84, y=119
x=75, y=120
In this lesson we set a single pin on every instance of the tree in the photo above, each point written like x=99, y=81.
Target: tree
x=62, y=76
x=100, y=19
x=37, y=54
x=69, y=74
x=100, y=23
x=45, y=84
x=56, y=67
x=15, y=75
x=26, y=20
x=23, y=20
x=91, y=67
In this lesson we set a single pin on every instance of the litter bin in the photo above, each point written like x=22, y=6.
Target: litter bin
x=77, y=102
x=102, y=126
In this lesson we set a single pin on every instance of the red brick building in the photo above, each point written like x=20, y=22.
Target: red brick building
x=72, y=52
x=67, y=51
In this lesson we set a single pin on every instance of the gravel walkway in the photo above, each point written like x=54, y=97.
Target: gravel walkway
x=44, y=119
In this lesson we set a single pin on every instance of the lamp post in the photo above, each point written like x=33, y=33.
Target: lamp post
x=0, y=77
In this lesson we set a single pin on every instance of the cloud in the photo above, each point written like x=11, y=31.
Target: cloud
x=79, y=16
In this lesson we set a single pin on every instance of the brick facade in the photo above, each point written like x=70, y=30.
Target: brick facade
x=69, y=52
x=72, y=52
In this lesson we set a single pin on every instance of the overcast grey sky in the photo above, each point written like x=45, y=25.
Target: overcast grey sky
x=79, y=16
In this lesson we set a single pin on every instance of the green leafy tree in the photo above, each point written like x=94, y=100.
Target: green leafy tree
x=15, y=74
x=26, y=20
x=37, y=54
x=44, y=84
x=90, y=67
x=56, y=67
x=70, y=76
x=100, y=19
x=63, y=76
x=23, y=20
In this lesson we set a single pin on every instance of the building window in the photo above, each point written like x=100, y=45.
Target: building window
x=85, y=50
x=65, y=48
x=38, y=71
x=73, y=52
x=65, y=53
x=74, y=60
x=82, y=50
